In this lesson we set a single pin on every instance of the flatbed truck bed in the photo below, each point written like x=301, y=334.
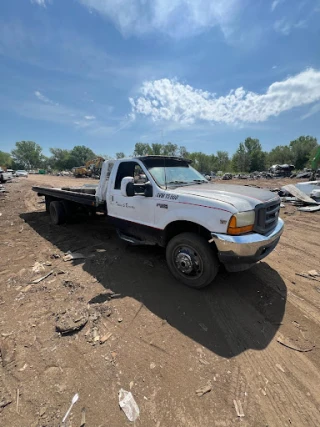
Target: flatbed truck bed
x=83, y=196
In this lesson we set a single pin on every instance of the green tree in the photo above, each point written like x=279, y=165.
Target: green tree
x=60, y=159
x=183, y=152
x=241, y=159
x=141, y=149
x=222, y=161
x=28, y=154
x=257, y=157
x=302, y=149
x=80, y=154
x=156, y=149
x=279, y=155
x=169, y=149
x=120, y=155
x=5, y=159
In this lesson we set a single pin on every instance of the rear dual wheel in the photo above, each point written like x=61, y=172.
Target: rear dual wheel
x=57, y=213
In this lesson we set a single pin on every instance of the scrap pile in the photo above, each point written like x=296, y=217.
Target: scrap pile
x=305, y=195
x=281, y=171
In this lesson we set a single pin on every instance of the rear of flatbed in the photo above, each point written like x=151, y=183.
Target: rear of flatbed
x=71, y=196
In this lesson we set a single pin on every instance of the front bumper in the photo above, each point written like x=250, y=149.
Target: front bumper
x=238, y=253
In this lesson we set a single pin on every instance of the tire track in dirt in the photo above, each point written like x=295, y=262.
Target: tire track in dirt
x=286, y=398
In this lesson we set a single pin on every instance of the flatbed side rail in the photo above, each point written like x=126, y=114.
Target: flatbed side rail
x=81, y=198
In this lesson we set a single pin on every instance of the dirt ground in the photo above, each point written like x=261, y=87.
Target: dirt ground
x=252, y=337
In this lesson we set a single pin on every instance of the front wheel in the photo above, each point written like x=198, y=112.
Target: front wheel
x=191, y=260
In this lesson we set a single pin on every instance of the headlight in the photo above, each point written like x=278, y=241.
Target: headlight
x=241, y=223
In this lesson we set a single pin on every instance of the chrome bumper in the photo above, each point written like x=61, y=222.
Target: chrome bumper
x=246, y=249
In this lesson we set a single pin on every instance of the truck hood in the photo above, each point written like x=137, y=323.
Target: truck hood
x=241, y=197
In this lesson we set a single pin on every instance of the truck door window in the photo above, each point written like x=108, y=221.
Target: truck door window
x=132, y=169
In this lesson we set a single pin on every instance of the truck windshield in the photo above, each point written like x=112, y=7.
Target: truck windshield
x=174, y=173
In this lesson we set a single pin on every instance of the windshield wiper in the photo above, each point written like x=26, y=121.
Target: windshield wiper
x=178, y=182
x=200, y=180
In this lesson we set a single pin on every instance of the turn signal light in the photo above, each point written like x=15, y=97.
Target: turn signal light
x=234, y=228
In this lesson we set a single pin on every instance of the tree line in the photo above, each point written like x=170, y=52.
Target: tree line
x=249, y=156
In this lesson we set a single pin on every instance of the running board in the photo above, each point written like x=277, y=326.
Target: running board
x=134, y=241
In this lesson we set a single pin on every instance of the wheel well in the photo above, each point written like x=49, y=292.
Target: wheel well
x=177, y=227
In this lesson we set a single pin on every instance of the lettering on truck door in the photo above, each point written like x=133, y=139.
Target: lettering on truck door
x=139, y=209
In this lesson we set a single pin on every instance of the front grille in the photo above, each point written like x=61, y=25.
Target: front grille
x=267, y=216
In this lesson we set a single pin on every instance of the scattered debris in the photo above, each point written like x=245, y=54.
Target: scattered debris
x=23, y=368
x=42, y=411
x=152, y=365
x=71, y=320
x=309, y=208
x=73, y=256
x=74, y=400
x=300, y=195
x=7, y=351
x=18, y=401
x=280, y=367
x=38, y=267
x=238, y=408
x=83, y=417
x=55, y=256
x=311, y=276
x=105, y=337
x=203, y=326
x=128, y=405
x=204, y=389
x=314, y=273
x=42, y=278
x=287, y=344
x=4, y=403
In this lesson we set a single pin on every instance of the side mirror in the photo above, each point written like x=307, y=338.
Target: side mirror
x=127, y=187
x=148, y=190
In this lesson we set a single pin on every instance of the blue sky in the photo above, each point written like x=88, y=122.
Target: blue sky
x=200, y=73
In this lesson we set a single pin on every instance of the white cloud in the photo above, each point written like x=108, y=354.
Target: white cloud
x=173, y=101
x=283, y=26
x=39, y=2
x=43, y=98
x=275, y=3
x=178, y=18
x=313, y=110
x=89, y=117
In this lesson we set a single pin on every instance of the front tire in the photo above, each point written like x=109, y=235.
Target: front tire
x=191, y=260
x=57, y=213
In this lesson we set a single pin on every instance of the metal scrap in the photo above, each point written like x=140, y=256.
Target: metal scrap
x=204, y=389
x=309, y=208
x=288, y=344
x=300, y=195
x=70, y=256
x=238, y=408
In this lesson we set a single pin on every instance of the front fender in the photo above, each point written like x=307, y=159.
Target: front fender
x=213, y=218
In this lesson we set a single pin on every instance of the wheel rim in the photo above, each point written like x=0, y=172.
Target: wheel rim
x=188, y=262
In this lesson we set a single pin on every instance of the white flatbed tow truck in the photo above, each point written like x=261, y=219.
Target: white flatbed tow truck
x=159, y=200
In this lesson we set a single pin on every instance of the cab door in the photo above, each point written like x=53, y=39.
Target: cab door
x=137, y=209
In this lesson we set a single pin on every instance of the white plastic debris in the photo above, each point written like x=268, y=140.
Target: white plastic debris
x=74, y=400
x=128, y=405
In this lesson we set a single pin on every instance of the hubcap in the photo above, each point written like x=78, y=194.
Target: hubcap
x=184, y=263
x=187, y=261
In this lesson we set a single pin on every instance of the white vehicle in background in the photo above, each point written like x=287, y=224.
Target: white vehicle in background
x=22, y=173
x=5, y=175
